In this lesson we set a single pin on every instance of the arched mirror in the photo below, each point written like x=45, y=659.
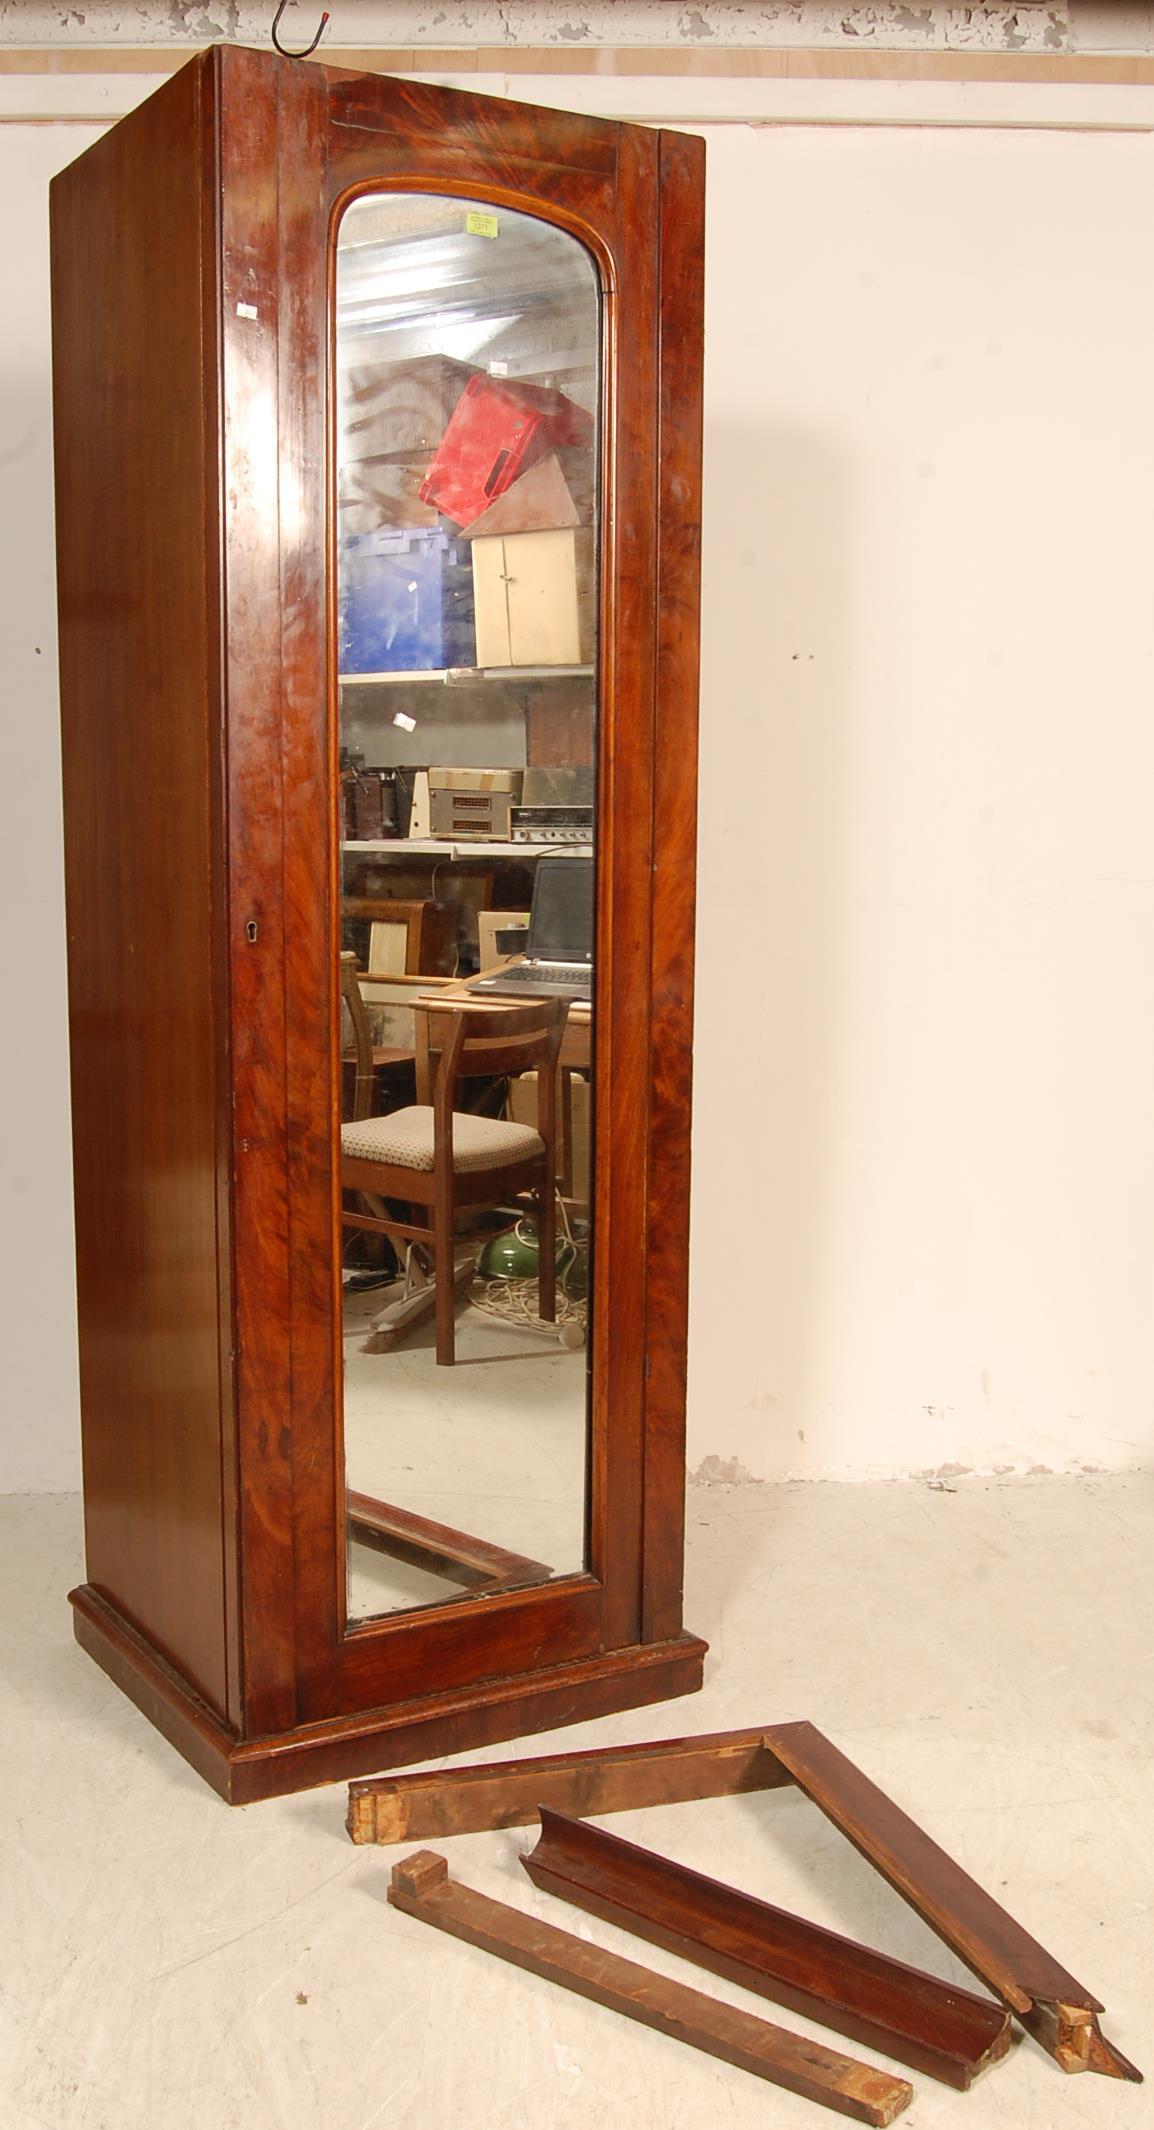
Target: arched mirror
x=466, y=429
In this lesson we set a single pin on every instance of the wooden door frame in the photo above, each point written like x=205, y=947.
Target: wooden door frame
x=602, y=182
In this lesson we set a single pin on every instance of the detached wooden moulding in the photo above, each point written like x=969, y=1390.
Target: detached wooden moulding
x=861, y=1993
x=1059, y=2012
x=208, y=317
x=924, y=2023
x=422, y=1887
x=510, y=1793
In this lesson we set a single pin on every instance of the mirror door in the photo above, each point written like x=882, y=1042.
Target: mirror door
x=467, y=395
x=499, y=1547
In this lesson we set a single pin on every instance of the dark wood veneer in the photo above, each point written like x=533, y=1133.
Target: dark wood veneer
x=137, y=682
x=420, y=1886
x=192, y=255
x=925, y=2023
x=244, y=1770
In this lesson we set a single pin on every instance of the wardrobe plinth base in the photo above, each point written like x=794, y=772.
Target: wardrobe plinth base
x=244, y=1770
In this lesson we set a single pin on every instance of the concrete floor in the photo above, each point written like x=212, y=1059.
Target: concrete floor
x=984, y=1653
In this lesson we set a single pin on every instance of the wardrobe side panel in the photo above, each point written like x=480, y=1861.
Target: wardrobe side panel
x=133, y=233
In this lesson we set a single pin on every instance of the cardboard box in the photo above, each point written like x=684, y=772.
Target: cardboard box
x=572, y=1161
x=444, y=779
x=473, y=802
x=382, y=492
x=533, y=596
x=550, y=497
x=401, y=408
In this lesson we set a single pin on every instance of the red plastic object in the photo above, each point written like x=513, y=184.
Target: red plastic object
x=496, y=431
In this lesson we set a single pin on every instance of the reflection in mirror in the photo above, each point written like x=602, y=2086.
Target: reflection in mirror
x=467, y=399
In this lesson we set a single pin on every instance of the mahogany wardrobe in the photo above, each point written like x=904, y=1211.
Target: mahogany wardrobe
x=378, y=429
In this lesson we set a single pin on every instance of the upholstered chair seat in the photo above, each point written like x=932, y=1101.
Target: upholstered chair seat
x=405, y=1139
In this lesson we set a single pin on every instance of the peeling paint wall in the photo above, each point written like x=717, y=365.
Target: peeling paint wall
x=1077, y=26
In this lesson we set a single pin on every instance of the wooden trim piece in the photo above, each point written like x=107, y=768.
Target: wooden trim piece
x=625, y=1065
x=421, y=1887
x=221, y=1025
x=405, y=1808
x=439, y=1549
x=246, y=306
x=680, y=338
x=298, y=267
x=928, y=2024
x=1058, y=2011
x=465, y=1718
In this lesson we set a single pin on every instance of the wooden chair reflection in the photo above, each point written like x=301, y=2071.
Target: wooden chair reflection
x=436, y=1159
x=414, y=937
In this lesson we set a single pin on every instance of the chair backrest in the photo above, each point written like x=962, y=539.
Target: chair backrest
x=457, y=1038
x=389, y=949
x=364, y=1089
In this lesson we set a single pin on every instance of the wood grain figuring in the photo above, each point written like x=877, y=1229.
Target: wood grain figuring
x=310, y=895
x=476, y=127
x=681, y=330
x=420, y=1886
x=509, y=1793
x=252, y=655
x=429, y=1725
x=1057, y=2010
x=925, y=2023
x=214, y=559
x=622, y=1059
x=137, y=603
